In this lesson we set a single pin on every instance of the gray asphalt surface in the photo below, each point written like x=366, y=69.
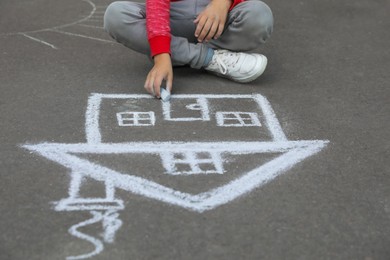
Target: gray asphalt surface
x=327, y=79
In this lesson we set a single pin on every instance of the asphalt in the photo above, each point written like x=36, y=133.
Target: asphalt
x=327, y=80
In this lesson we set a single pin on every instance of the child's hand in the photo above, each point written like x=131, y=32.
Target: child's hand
x=162, y=70
x=211, y=21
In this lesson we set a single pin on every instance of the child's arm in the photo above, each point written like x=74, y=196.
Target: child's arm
x=211, y=21
x=159, y=36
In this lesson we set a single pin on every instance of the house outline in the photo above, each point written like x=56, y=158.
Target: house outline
x=105, y=209
x=292, y=152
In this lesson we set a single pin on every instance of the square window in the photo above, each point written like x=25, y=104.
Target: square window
x=237, y=119
x=136, y=118
x=188, y=163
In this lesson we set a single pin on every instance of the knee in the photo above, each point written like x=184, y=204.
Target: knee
x=113, y=18
x=259, y=21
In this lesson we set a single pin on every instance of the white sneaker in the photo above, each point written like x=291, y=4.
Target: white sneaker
x=237, y=66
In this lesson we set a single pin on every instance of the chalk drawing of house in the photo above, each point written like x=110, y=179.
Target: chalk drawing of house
x=181, y=152
x=199, y=157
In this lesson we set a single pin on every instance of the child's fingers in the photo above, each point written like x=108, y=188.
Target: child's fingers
x=149, y=87
x=157, y=86
x=221, y=26
x=205, y=30
x=212, y=31
x=199, y=28
x=203, y=25
x=169, y=82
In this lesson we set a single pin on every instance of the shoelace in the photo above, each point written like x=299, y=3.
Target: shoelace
x=225, y=62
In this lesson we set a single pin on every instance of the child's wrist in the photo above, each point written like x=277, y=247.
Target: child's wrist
x=161, y=57
x=226, y=3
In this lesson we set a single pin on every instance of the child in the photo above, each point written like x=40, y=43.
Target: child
x=209, y=34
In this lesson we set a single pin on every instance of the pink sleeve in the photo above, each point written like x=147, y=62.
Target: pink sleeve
x=157, y=26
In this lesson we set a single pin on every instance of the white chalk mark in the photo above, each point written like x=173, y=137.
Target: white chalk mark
x=136, y=118
x=201, y=105
x=87, y=204
x=237, y=119
x=93, y=16
x=64, y=25
x=194, y=161
x=109, y=216
x=39, y=40
x=96, y=242
x=75, y=183
x=292, y=153
x=110, y=190
x=236, y=147
x=97, y=15
x=217, y=162
x=96, y=19
x=81, y=36
x=255, y=178
x=92, y=119
x=122, y=96
x=76, y=203
x=91, y=26
x=270, y=118
x=79, y=21
x=178, y=158
x=111, y=225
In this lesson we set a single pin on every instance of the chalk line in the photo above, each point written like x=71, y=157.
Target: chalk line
x=237, y=117
x=192, y=96
x=192, y=159
x=136, y=118
x=39, y=40
x=94, y=241
x=92, y=114
x=293, y=153
x=270, y=118
x=81, y=20
x=255, y=178
x=201, y=105
x=96, y=16
x=75, y=183
x=158, y=147
x=111, y=224
x=86, y=204
x=81, y=36
x=172, y=154
x=91, y=26
x=64, y=25
x=92, y=117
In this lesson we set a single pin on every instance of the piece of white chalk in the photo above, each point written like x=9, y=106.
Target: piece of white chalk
x=165, y=95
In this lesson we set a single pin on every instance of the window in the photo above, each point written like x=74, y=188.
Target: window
x=186, y=163
x=237, y=119
x=136, y=118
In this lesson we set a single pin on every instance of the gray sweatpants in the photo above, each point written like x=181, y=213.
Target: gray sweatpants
x=248, y=26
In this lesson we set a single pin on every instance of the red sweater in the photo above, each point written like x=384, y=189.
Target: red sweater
x=157, y=25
